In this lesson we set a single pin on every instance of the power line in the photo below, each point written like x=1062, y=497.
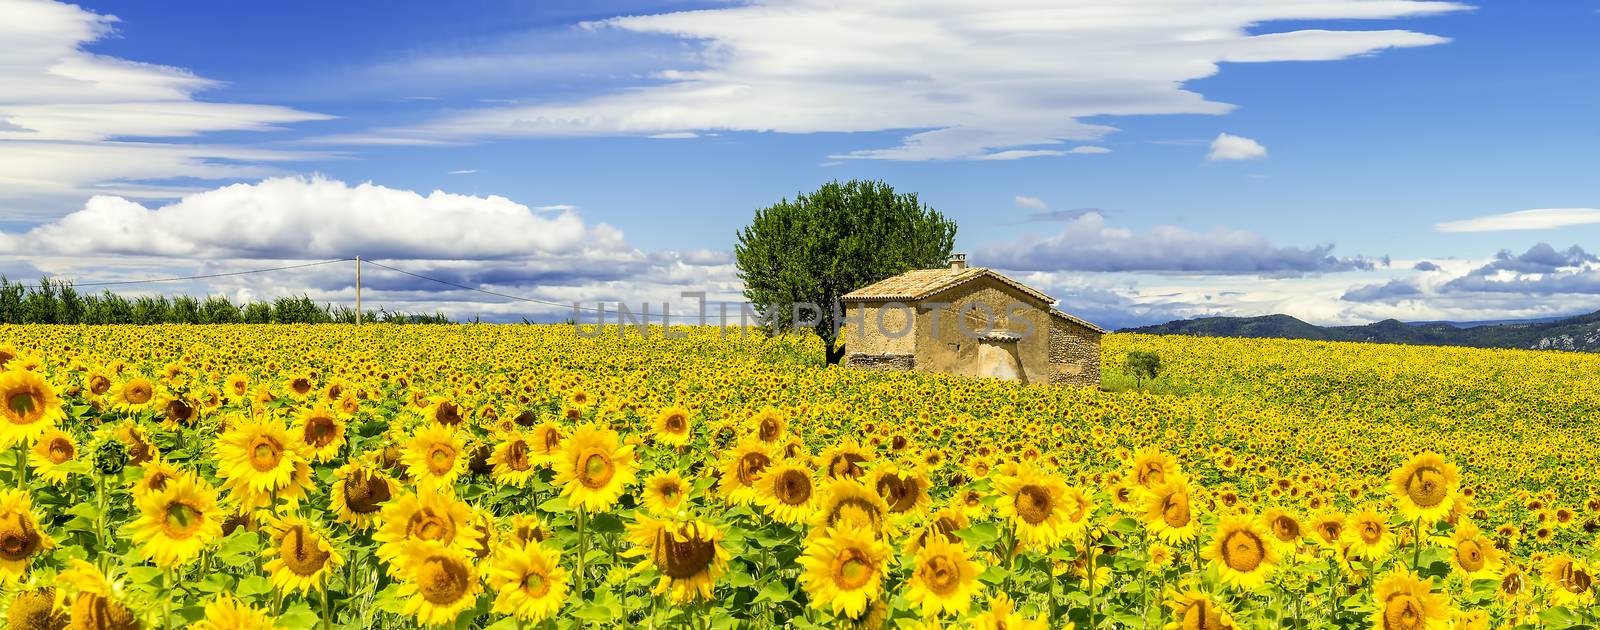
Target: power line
x=200, y=277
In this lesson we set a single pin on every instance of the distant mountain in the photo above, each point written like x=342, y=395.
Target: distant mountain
x=1580, y=333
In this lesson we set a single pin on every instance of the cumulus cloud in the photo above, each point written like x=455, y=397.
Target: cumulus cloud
x=319, y=218
x=1541, y=270
x=1007, y=79
x=1228, y=147
x=63, y=109
x=1088, y=244
x=1425, y=265
x=1024, y=201
x=1537, y=219
x=1388, y=291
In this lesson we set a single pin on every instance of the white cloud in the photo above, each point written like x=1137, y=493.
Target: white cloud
x=1231, y=147
x=465, y=171
x=308, y=218
x=1089, y=150
x=1005, y=79
x=1537, y=219
x=63, y=108
x=1035, y=203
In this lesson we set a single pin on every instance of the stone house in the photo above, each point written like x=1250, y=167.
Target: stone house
x=968, y=321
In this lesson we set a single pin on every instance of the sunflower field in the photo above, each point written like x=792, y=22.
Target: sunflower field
x=478, y=476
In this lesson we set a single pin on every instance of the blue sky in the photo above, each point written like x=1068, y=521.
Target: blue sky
x=636, y=137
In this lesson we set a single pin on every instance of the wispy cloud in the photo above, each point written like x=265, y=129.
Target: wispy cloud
x=1024, y=201
x=946, y=68
x=1537, y=219
x=465, y=171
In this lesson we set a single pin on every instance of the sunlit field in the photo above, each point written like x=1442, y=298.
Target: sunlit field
x=524, y=477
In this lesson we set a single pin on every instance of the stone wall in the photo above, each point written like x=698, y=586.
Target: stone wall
x=1074, y=354
x=951, y=347
x=880, y=362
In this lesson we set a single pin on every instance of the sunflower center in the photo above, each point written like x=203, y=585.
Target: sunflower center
x=300, y=385
x=183, y=519
x=846, y=465
x=530, y=533
x=301, y=553
x=684, y=554
x=551, y=440
x=793, y=487
x=24, y=406
x=19, y=538
x=1242, y=551
x=852, y=569
x=668, y=490
x=1426, y=487
x=770, y=430
x=265, y=453
x=1371, y=532
x=1202, y=616
x=441, y=458
x=1402, y=611
x=595, y=469
x=676, y=423
x=1152, y=474
x=535, y=585
x=139, y=393
x=179, y=411
x=365, y=492
x=448, y=414
x=751, y=465
x=1034, y=504
x=320, y=431
x=856, y=511
x=427, y=524
x=1175, y=510
x=1330, y=530
x=941, y=574
x=517, y=455
x=61, y=450
x=1575, y=580
x=99, y=384
x=526, y=419
x=900, y=493
x=442, y=580
x=1285, y=528
x=1469, y=555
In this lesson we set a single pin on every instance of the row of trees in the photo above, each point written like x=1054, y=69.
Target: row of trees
x=57, y=302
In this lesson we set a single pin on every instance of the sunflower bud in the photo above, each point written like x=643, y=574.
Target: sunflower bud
x=110, y=457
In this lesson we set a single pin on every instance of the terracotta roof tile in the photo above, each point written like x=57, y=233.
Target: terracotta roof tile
x=920, y=284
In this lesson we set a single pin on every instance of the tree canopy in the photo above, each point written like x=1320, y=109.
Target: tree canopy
x=827, y=243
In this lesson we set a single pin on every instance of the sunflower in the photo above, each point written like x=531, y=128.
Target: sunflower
x=1327, y=528
x=525, y=529
x=1473, y=553
x=846, y=502
x=546, y=440
x=425, y=516
x=261, y=464
x=1568, y=581
x=177, y=410
x=176, y=522
x=1425, y=488
x=301, y=558
x=769, y=425
x=943, y=578
x=665, y=493
x=740, y=469
x=1002, y=615
x=844, y=569
x=1286, y=530
x=904, y=490
x=433, y=455
x=157, y=472
x=1152, y=467
x=1513, y=586
x=1367, y=534
x=1044, y=511
x=688, y=554
x=321, y=430
x=444, y=411
x=593, y=468
x=300, y=386
x=1404, y=602
x=528, y=582
x=512, y=460
x=133, y=395
x=21, y=538
x=226, y=612
x=1241, y=553
x=1167, y=512
x=845, y=459
x=31, y=407
x=1159, y=558
x=140, y=447
x=50, y=454
x=673, y=427
x=36, y=609
x=95, y=385
x=237, y=387
x=98, y=603
x=1195, y=610
x=439, y=582
x=359, y=492
x=787, y=493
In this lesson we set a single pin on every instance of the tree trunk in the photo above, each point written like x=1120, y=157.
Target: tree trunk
x=835, y=353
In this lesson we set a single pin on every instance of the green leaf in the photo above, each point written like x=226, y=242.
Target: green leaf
x=299, y=617
x=774, y=592
x=994, y=575
x=253, y=586
x=979, y=535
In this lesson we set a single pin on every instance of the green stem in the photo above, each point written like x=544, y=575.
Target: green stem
x=22, y=465
x=327, y=608
x=583, y=550
x=166, y=599
x=1088, y=547
x=1416, y=543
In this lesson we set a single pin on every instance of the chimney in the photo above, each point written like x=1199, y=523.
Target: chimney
x=958, y=261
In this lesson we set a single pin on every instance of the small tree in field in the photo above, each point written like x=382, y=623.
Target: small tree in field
x=1142, y=364
x=833, y=241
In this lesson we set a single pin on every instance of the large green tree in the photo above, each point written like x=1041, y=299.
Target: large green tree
x=822, y=245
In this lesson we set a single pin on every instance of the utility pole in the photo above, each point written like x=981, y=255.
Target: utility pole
x=358, y=290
